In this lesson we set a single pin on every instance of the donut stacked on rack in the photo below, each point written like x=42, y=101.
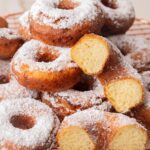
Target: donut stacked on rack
x=65, y=86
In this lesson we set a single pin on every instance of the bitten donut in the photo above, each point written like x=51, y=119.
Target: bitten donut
x=98, y=130
x=10, y=41
x=119, y=16
x=122, y=84
x=61, y=23
x=24, y=26
x=45, y=68
x=3, y=23
x=27, y=124
x=87, y=93
x=136, y=50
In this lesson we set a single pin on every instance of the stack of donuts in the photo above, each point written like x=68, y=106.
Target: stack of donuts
x=71, y=79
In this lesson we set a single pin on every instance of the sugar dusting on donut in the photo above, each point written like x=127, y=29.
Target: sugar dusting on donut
x=9, y=34
x=125, y=63
x=47, y=12
x=24, y=20
x=4, y=67
x=133, y=43
x=78, y=98
x=89, y=116
x=13, y=89
x=27, y=53
x=24, y=26
x=42, y=132
x=124, y=10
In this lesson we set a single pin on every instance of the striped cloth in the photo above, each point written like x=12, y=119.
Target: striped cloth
x=140, y=27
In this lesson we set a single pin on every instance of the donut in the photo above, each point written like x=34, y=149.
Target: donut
x=24, y=27
x=45, y=68
x=135, y=49
x=3, y=23
x=10, y=41
x=122, y=84
x=86, y=53
x=27, y=124
x=61, y=23
x=87, y=93
x=99, y=130
x=119, y=16
x=146, y=79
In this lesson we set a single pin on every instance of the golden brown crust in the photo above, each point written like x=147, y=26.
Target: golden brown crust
x=48, y=81
x=118, y=70
x=101, y=127
x=3, y=23
x=64, y=37
x=8, y=47
x=116, y=20
x=25, y=33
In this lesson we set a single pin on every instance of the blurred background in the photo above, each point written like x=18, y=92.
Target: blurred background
x=10, y=6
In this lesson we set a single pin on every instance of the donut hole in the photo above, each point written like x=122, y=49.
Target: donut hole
x=110, y=3
x=67, y=5
x=46, y=56
x=22, y=121
x=4, y=79
x=84, y=85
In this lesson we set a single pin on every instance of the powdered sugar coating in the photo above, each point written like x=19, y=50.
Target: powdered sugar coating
x=9, y=34
x=124, y=10
x=140, y=59
x=26, y=55
x=91, y=116
x=125, y=64
x=105, y=106
x=128, y=44
x=13, y=89
x=146, y=79
x=24, y=22
x=136, y=49
x=81, y=99
x=4, y=67
x=47, y=12
x=39, y=135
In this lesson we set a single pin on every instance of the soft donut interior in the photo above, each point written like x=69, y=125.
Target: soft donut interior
x=75, y=138
x=129, y=138
x=91, y=53
x=22, y=121
x=124, y=94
